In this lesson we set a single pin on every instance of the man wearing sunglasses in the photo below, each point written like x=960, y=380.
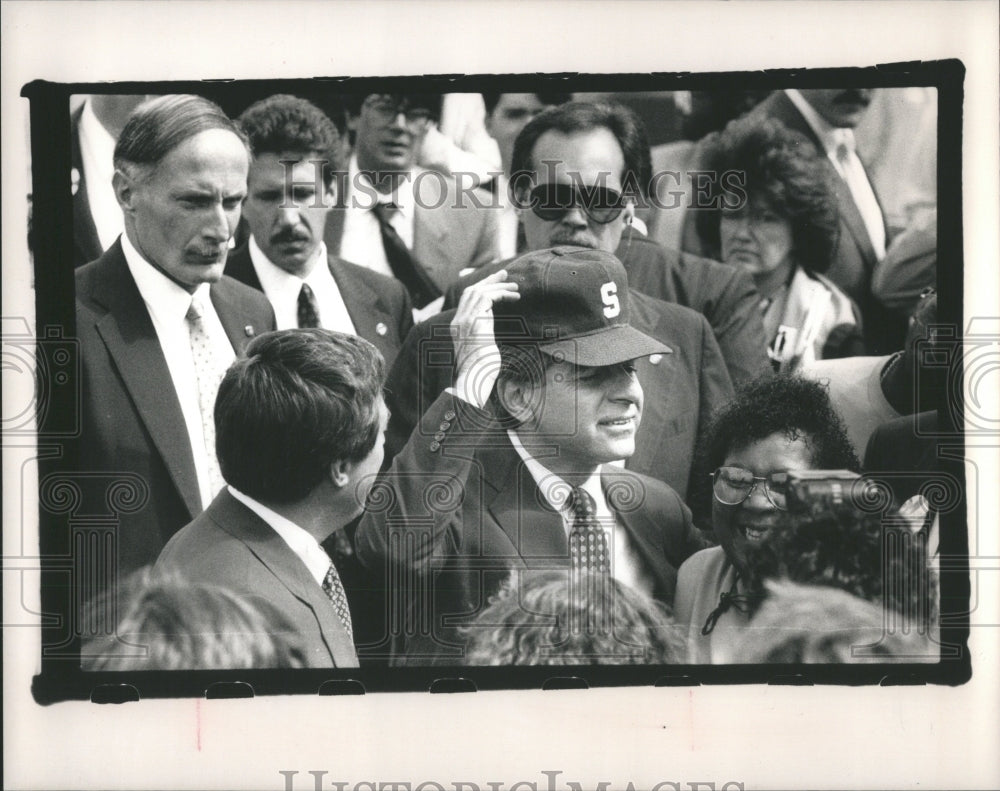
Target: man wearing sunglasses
x=776, y=425
x=570, y=188
x=399, y=219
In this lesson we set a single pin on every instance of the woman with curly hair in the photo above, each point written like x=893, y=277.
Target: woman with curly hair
x=783, y=231
x=776, y=424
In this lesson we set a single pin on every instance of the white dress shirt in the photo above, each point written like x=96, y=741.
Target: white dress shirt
x=302, y=543
x=167, y=304
x=282, y=290
x=362, y=239
x=97, y=149
x=851, y=170
x=626, y=564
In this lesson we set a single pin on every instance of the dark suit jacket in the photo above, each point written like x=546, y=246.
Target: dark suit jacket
x=458, y=511
x=131, y=419
x=450, y=232
x=229, y=545
x=903, y=454
x=854, y=259
x=379, y=306
x=86, y=243
x=681, y=389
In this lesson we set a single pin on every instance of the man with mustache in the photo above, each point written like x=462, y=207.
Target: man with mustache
x=571, y=165
x=418, y=226
x=158, y=324
x=291, y=188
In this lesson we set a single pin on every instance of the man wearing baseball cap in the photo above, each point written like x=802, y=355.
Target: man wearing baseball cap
x=515, y=458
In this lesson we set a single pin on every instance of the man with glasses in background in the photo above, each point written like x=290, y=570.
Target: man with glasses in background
x=419, y=226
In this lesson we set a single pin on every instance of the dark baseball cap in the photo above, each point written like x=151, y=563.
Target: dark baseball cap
x=575, y=306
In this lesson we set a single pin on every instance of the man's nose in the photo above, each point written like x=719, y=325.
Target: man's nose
x=217, y=226
x=625, y=385
x=575, y=217
x=288, y=217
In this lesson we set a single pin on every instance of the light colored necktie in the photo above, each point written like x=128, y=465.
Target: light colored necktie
x=334, y=590
x=854, y=174
x=209, y=370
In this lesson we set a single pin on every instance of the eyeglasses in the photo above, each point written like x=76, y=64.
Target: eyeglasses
x=387, y=109
x=551, y=202
x=733, y=485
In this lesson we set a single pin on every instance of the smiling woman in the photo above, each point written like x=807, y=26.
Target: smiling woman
x=775, y=425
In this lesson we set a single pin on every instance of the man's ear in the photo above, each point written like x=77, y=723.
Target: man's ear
x=340, y=473
x=125, y=187
x=519, y=400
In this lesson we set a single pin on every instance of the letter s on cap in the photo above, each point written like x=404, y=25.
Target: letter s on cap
x=609, y=296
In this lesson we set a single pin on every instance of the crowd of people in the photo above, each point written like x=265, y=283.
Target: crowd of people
x=487, y=380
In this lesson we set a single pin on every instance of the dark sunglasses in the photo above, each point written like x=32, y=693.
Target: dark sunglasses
x=551, y=202
x=733, y=485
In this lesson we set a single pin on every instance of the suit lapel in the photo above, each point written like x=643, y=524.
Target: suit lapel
x=516, y=504
x=271, y=550
x=646, y=536
x=363, y=306
x=228, y=307
x=334, y=232
x=129, y=336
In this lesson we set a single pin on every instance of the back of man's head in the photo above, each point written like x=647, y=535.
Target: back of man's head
x=283, y=124
x=300, y=400
x=577, y=117
x=158, y=126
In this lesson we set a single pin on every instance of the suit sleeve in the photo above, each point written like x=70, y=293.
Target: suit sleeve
x=422, y=370
x=414, y=512
x=736, y=321
x=682, y=538
x=716, y=386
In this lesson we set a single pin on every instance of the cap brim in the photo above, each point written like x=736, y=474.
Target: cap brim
x=610, y=346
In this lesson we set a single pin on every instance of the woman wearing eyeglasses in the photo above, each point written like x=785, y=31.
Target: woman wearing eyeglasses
x=783, y=232
x=774, y=425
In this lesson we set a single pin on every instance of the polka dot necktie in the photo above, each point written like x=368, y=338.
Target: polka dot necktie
x=308, y=313
x=334, y=590
x=588, y=544
x=209, y=370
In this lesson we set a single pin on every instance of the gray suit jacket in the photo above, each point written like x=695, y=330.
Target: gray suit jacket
x=229, y=545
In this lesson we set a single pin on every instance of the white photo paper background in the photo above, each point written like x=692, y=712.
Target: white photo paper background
x=701, y=737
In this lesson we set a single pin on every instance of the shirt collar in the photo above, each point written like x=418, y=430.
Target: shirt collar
x=165, y=300
x=402, y=198
x=552, y=486
x=829, y=136
x=304, y=545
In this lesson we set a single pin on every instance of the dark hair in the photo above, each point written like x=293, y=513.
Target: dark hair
x=157, y=127
x=555, y=618
x=491, y=100
x=878, y=559
x=283, y=124
x=783, y=167
x=574, y=117
x=784, y=404
x=173, y=624
x=300, y=400
x=427, y=101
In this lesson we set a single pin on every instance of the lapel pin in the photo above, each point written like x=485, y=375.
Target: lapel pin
x=654, y=359
x=381, y=329
x=248, y=330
